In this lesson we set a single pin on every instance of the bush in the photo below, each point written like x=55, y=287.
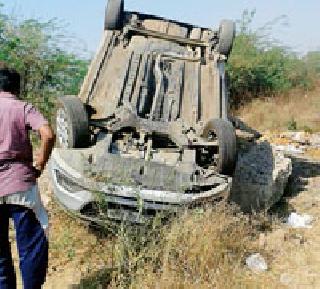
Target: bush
x=312, y=61
x=198, y=249
x=31, y=47
x=292, y=124
x=259, y=66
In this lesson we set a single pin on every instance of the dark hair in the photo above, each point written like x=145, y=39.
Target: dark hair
x=9, y=79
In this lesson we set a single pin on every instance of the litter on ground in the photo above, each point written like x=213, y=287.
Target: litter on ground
x=300, y=221
x=256, y=263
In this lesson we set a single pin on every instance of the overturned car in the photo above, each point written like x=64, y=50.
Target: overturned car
x=149, y=130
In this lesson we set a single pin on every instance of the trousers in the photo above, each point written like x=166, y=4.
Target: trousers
x=32, y=246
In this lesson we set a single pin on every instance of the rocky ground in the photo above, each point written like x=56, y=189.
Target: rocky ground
x=296, y=252
x=292, y=255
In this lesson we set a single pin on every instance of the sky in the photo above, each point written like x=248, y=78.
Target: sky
x=84, y=19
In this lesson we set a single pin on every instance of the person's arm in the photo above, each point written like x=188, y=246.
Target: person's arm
x=47, y=138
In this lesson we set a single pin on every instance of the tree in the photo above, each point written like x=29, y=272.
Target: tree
x=259, y=65
x=47, y=70
x=312, y=60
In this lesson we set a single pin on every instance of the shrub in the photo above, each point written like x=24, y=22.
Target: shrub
x=32, y=47
x=312, y=61
x=198, y=249
x=292, y=124
x=259, y=66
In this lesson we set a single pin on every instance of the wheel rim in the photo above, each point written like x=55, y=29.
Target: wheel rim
x=62, y=128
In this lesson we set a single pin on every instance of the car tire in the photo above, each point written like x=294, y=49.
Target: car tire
x=227, y=32
x=224, y=133
x=114, y=15
x=72, y=123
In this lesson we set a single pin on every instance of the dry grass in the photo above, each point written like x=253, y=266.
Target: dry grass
x=76, y=252
x=314, y=153
x=200, y=249
x=204, y=250
x=296, y=110
x=296, y=252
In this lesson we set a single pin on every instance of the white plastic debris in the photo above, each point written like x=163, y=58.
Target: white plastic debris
x=290, y=149
x=300, y=221
x=300, y=137
x=256, y=263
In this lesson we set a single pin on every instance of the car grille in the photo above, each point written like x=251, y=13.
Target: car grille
x=67, y=183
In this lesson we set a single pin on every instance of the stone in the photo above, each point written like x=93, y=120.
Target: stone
x=300, y=137
x=260, y=177
x=290, y=149
x=256, y=263
x=315, y=140
x=299, y=221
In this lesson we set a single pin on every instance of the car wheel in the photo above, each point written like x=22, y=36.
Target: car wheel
x=223, y=132
x=114, y=15
x=72, y=124
x=227, y=32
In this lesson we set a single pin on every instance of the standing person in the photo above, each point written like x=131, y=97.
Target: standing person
x=19, y=195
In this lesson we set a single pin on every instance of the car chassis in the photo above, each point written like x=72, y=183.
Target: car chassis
x=149, y=130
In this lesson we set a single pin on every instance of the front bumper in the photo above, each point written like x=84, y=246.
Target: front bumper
x=76, y=193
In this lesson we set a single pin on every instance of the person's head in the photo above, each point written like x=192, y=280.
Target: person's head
x=9, y=80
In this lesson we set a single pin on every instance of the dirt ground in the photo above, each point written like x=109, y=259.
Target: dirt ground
x=293, y=255
x=296, y=252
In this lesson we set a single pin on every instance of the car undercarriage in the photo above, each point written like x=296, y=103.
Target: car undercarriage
x=149, y=129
